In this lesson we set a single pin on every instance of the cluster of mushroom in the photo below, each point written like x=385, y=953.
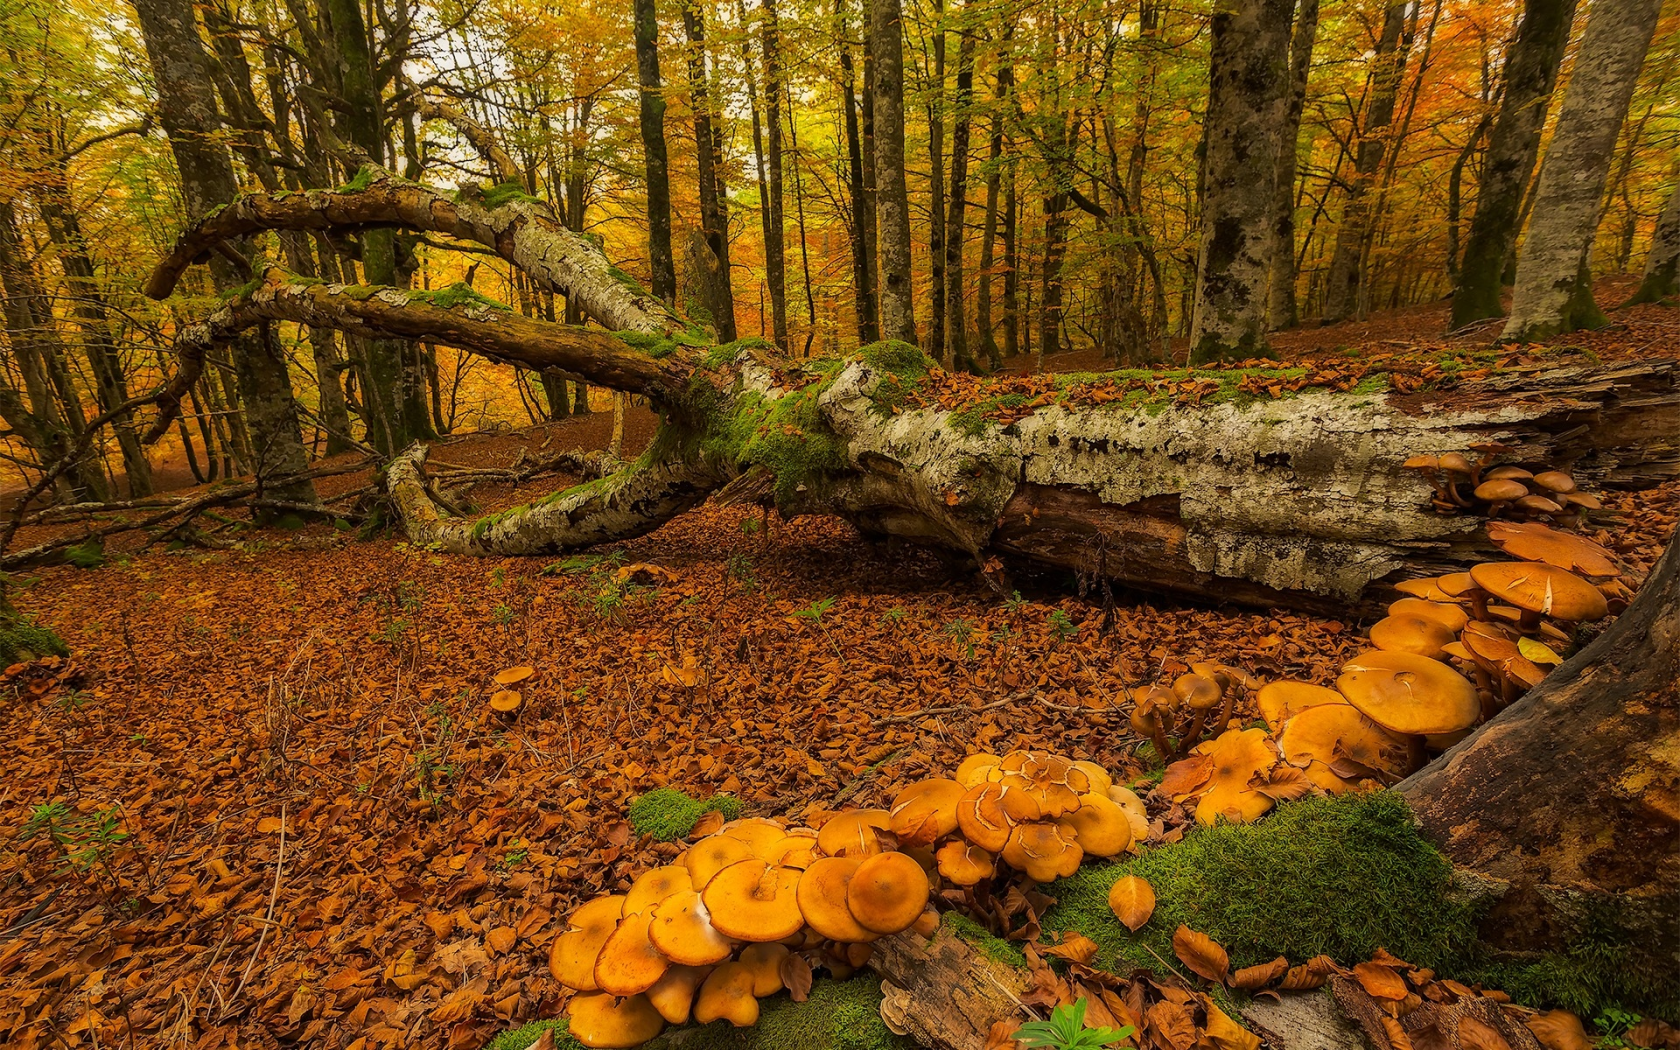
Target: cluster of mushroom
x=1174, y=718
x=1477, y=486
x=728, y=922
x=751, y=909
x=1495, y=624
x=1501, y=620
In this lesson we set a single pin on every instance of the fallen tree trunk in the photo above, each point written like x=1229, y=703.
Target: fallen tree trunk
x=1566, y=807
x=1294, y=500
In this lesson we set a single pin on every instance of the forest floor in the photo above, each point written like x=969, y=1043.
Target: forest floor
x=331, y=840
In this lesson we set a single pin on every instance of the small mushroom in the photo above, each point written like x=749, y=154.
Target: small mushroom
x=1449, y=616
x=673, y=994
x=1409, y=694
x=1411, y=634
x=1498, y=493
x=926, y=811
x=972, y=770
x=1099, y=826
x=1507, y=473
x=1044, y=852
x=505, y=702
x=822, y=897
x=1282, y=700
x=1555, y=481
x=987, y=812
x=629, y=962
x=1241, y=759
x=654, y=885
x=964, y=864
x=597, y=1019
x=711, y=855
x=512, y=676
x=1541, y=590
x=853, y=833
x=888, y=892
x=571, y=958
x=1535, y=542
x=682, y=930
x=754, y=901
x=1340, y=749
x=727, y=995
x=765, y=963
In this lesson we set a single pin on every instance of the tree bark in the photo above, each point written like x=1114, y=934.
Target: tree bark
x=714, y=206
x=862, y=213
x=956, y=321
x=1282, y=310
x=938, y=344
x=1248, y=87
x=994, y=182
x=1662, y=265
x=652, y=121
x=775, y=236
x=187, y=112
x=1530, y=75
x=1345, y=276
x=892, y=197
x=1554, y=271
x=1565, y=805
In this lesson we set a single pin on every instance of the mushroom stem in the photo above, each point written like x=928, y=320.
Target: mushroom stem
x=1478, y=602
x=1529, y=622
x=1194, y=734
x=1159, y=740
x=1495, y=507
x=1226, y=711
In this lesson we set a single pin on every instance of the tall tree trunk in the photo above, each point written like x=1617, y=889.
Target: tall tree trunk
x=652, y=120
x=187, y=111
x=1564, y=805
x=994, y=182
x=1249, y=84
x=956, y=331
x=1282, y=310
x=862, y=213
x=1554, y=269
x=1530, y=74
x=92, y=313
x=775, y=237
x=48, y=423
x=393, y=383
x=1662, y=265
x=714, y=202
x=892, y=205
x=936, y=341
x=1011, y=267
x=871, y=196
x=1345, y=276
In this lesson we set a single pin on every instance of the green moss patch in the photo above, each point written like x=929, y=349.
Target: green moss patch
x=994, y=948
x=668, y=814
x=786, y=434
x=839, y=1015
x=507, y=193
x=21, y=640
x=1342, y=877
x=658, y=346
x=458, y=294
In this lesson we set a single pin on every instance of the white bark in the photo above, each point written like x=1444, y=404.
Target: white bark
x=1553, y=292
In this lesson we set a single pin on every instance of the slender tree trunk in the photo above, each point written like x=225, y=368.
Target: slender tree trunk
x=775, y=237
x=994, y=182
x=1554, y=272
x=1530, y=74
x=862, y=214
x=1248, y=89
x=1011, y=267
x=714, y=207
x=871, y=196
x=955, y=320
x=936, y=341
x=1282, y=310
x=1662, y=266
x=886, y=36
x=652, y=98
x=48, y=423
x=186, y=109
x=1342, y=281
x=92, y=313
x=393, y=384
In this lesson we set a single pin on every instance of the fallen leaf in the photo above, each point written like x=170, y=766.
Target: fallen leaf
x=1476, y=1034
x=1133, y=901
x=1251, y=977
x=1380, y=982
x=1199, y=952
x=1397, y=1037
x=1225, y=1033
x=1075, y=947
x=1171, y=1025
